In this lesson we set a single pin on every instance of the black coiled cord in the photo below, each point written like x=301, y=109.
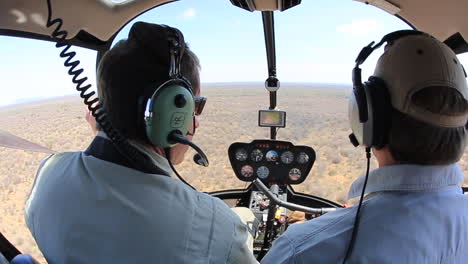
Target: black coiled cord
x=135, y=157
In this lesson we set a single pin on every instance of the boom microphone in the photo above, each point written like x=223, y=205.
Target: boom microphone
x=197, y=158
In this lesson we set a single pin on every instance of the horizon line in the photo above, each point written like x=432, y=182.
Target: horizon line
x=36, y=99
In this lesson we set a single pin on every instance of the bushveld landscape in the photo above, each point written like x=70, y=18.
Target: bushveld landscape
x=316, y=117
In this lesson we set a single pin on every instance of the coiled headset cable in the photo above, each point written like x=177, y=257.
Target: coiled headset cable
x=135, y=157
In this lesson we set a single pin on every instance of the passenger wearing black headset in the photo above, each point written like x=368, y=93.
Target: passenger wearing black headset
x=413, y=114
x=99, y=206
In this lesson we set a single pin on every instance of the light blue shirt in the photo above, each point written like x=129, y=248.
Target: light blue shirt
x=3, y=260
x=412, y=214
x=86, y=210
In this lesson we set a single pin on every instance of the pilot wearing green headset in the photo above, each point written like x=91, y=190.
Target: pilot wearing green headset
x=97, y=206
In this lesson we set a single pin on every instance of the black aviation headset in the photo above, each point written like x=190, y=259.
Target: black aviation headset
x=370, y=114
x=370, y=106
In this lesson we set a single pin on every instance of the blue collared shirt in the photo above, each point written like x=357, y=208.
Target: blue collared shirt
x=86, y=210
x=411, y=214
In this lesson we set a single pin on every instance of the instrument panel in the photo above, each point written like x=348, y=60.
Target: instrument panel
x=272, y=161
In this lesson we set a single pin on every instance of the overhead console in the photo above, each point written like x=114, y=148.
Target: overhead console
x=271, y=161
x=265, y=5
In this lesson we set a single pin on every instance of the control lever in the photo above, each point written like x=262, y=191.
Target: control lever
x=290, y=206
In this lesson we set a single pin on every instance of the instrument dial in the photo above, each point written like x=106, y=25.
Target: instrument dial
x=287, y=157
x=241, y=154
x=271, y=155
x=256, y=155
x=303, y=158
x=295, y=174
x=263, y=172
x=247, y=171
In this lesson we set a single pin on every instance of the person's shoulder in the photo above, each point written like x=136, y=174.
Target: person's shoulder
x=216, y=203
x=329, y=220
x=57, y=159
x=220, y=211
x=60, y=156
x=317, y=240
x=329, y=226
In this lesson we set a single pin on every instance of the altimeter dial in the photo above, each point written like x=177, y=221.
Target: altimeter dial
x=287, y=157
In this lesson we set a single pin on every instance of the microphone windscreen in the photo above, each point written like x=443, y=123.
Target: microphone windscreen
x=198, y=159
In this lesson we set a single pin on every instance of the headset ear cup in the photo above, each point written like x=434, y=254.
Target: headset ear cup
x=368, y=126
x=353, y=118
x=360, y=100
x=379, y=103
x=170, y=110
x=370, y=106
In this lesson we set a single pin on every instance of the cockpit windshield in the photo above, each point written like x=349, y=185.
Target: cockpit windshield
x=316, y=46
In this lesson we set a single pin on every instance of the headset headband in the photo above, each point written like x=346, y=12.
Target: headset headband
x=367, y=50
x=362, y=56
x=176, y=50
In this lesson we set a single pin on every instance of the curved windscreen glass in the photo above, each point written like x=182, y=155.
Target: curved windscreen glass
x=316, y=45
x=40, y=112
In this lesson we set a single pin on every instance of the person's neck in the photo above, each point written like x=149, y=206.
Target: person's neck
x=384, y=157
x=386, y=163
x=157, y=150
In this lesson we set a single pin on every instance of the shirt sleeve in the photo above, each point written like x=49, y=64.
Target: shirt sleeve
x=281, y=252
x=29, y=208
x=240, y=251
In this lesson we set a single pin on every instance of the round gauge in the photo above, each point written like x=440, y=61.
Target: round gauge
x=263, y=172
x=287, y=157
x=247, y=171
x=303, y=158
x=241, y=154
x=256, y=155
x=271, y=155
x=294, y=174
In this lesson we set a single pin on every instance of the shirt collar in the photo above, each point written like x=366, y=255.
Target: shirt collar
x=161, y=162
x=408, y=177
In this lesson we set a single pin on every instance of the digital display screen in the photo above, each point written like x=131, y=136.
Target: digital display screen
x=271, y=118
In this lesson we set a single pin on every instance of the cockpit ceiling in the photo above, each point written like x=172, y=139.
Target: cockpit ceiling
x=100, y=18
x=440, y=18
x=103, y=18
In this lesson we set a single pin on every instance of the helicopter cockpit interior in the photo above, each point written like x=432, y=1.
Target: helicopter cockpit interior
x=275, y=128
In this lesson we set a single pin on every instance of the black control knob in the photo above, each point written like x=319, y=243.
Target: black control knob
x=180, y=101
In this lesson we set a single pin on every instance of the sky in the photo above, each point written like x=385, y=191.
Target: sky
x=316, y=42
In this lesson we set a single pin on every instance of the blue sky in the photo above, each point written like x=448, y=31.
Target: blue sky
x=316, y=42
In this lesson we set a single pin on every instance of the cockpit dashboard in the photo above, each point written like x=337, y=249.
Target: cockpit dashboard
x=271, y=161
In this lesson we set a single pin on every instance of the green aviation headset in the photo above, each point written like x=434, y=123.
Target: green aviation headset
x=171, y=107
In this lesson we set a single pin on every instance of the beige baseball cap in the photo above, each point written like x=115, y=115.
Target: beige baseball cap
x=416, y=62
